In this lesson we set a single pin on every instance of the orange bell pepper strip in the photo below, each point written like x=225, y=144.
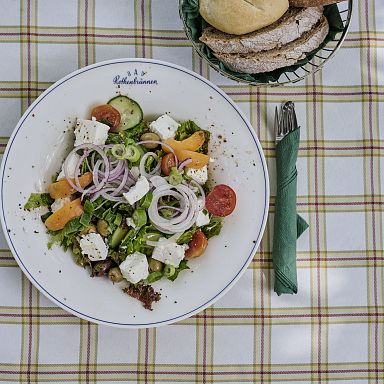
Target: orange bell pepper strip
x=62, y=188
x=63, y=215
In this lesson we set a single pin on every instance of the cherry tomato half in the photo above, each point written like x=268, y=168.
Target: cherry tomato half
x=221, y=201
x=106, y=114
x=197, y=245
x=167, y=163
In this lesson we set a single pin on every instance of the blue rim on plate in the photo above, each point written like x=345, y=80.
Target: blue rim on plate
x=52, y=89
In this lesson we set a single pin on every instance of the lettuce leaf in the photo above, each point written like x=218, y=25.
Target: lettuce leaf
x=188, y=128
x=133, y=134
x=213, y=228
x=147, y=232
x=186, y=237
x=86, y=217
x=37, y=200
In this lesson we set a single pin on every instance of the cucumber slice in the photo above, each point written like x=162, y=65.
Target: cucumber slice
x=130, y=112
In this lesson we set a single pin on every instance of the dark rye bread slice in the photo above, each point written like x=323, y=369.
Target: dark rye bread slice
x=284, y=56
x=289, y=27
x=311, y=3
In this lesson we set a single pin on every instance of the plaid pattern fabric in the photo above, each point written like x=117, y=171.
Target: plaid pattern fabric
x=333, y=330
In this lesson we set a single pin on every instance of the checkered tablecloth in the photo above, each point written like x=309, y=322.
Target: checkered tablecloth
x=333, y=330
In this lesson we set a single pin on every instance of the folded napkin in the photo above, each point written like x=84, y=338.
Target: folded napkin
x=288, y=224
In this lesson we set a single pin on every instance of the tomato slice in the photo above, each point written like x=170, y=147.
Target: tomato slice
x=106, y=114
x=197, y=245
x=167, y=163
x=221, y=201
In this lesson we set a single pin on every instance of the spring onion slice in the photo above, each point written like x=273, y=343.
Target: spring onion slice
x=169, y=270
x=132, y=153
x=118, y=151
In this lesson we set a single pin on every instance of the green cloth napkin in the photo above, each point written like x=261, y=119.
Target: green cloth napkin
x=288, y=224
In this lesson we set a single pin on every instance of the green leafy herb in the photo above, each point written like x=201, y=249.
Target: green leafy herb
x=37, y=200
x=186, y=237
x=86, y=217
x=188, y=128
x=135, y=132
x=121, y=137
x=183, y=265
x=213, y=228
x=175, y=177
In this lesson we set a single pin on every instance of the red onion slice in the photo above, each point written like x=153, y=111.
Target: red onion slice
x=184, y=163
x=143, y=161
x=188, y=205
x=89, y=148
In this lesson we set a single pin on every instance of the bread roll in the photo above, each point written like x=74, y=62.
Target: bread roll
x=238, y=17
x=291, y=26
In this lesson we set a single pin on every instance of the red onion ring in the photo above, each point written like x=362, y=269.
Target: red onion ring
x=85, y=147
x=184, y=163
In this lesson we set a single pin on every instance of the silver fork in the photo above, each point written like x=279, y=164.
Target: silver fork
x=286, y=121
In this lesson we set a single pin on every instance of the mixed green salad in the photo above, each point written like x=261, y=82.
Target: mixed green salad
x=131, y=200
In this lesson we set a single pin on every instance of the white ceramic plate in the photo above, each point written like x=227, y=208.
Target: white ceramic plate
x=43, y=137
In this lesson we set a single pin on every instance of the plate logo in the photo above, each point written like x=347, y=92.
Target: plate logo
x=135, y=77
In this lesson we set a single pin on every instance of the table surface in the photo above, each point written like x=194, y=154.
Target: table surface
x=333, y=329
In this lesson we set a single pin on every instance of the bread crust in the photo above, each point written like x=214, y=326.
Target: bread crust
x=311, y=3
x=284, y=56
x=291, y=26
x=241, y=16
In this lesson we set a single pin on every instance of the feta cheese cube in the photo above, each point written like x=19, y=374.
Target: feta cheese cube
x=165, y=127
x=169, y=252
x=198, y=175
x=136, y=192
x=94, y=247
x=202, y=219
x=59, y=203
x=90, y=132
x=135, y=267
x=71, y=167
x=157, y=181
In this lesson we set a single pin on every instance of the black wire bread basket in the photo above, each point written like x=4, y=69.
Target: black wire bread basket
x=338, y=16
